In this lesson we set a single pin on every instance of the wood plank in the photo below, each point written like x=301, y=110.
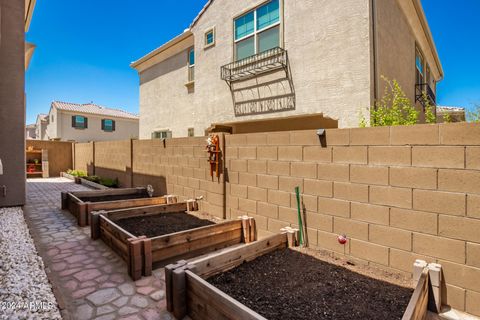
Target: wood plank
x=128, y=203
x=193, y=234
x=199, y=309
x=218, y=300
x=217, y=262
x=115, y=229
x=109, y=192
x=146, y=211
x=117, y=246
x=417, y=307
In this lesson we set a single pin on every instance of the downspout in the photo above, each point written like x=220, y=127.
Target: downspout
x=374, y=51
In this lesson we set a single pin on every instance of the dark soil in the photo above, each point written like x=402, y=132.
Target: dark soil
x=287, y=284
x=161, y=224
x=114, y=197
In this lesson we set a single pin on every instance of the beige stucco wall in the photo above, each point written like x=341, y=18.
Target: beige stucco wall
x=124, y=128
x=12, y=102
x=328, y=48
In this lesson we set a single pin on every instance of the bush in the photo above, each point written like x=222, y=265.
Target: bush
x=77, y=173
x=111, y=183
x=474, y=116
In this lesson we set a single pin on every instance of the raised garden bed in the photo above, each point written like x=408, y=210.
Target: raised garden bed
x=178, y=233
x=268, y=280
x=82, y=203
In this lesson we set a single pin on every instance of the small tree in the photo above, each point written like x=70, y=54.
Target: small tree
x=429, y=109
x=474, y=116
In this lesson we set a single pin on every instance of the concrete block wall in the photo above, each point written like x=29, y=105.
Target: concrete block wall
x=83, y=157
x=59, y=155
x=398, y=193
x=113, y=159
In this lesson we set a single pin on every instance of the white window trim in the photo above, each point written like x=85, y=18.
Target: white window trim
x=209, y=45
x=255, y=31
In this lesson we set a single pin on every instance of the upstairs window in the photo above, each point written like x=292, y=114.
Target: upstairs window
x=210, y=38
x=79, y=122
x=258, y=30
x=191, y=132
x=191, y=65
x=419, y=67
x=163, y=134
x=108, y=125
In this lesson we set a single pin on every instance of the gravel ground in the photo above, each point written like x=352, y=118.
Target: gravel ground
x=25, y=292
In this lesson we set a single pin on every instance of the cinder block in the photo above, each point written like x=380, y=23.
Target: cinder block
x=454, y=297
x=194, y=183
x=370, y=136
x=280, y=168
x=334, y=207
x=350, y=191
x=424, y=178
x=236, y=139
x=390, y=237
x=257, y=166
x=238, y=190
x=351, y=228
x=403, y=260
x=393, y=155
x=275, y=225
x=317, y=154
x=310, y=203
x=449, y=249
x=337, y=137
x=247, y=152
x=319, y=221
x=329, y=241
x=369, y=251
x=267, y=210
x=303, y=169
x=248, y=179
x=460, y=275
x=231, y=153
x=460, y=133
x=459, y=180
x=420, y=134
x=439, y=202
x=290, y=153
x=473, y=158
x=419, y=221
x=232, y=202
x=246, y=205
x=304, y=138
x=312, y=235
x=267, y=181
x=473, y=254
x=256, y=139
x=258, y=194
x=333, y=172
x=289, y=215
x=459, y=228
x=391, y=196
x=238, y=165
x=438, y=157
x=370, y=213
x=351, y=154
x=278, y=138
x=289, y=183
x=473, y=206
x=267, y=153
x=473, y=303
x=280, y=198
x=318, y=187
x=369, y=174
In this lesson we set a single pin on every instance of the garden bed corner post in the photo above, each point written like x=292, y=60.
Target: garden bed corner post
x=135, y=258
x=95, y=224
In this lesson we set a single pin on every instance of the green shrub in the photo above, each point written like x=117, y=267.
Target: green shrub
x=77, y=173
x=111, y=183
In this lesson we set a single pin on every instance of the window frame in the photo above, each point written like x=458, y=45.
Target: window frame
x=164, y=134
x=191, y=67
x=207, y=45
x=104, y=126
x=256, y=31
x=75, y=123
x=191, y=132
x=419, y=53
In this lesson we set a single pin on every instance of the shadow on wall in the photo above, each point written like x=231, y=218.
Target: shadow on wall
x=176, y=62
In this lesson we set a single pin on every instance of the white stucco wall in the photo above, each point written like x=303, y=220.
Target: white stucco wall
x=124, y=128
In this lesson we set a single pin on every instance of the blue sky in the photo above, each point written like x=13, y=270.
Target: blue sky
x=84, y=48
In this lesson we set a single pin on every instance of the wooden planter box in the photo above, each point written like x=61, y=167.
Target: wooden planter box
x=72, y=201
x=189, y=294
x=79, y=180
x=142, y=253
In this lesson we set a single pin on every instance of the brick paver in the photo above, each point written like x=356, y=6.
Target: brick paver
x=90, y=281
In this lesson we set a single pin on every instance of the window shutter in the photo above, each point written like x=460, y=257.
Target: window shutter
x=73, y=122
x=86, y=122
x=113, y=125
x=103, y=124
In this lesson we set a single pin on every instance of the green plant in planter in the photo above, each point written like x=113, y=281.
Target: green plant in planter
x=36, y=161
x=111, y=183
x=77, y=173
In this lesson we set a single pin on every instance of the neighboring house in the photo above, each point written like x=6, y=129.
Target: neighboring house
x=31, y=131
x=15, y=56
x=451, y=114
x=41, y=126
x=244, y=61
x=89, y=122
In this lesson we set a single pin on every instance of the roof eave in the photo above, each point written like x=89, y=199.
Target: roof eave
x=29, y=7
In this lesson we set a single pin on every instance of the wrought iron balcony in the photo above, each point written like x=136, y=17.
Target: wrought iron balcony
x=424, y=88
x=255, y=65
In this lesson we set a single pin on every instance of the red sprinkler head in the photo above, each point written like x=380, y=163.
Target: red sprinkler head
x=342, y=239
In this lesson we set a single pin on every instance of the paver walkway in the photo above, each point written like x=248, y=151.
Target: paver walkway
x=90, y=281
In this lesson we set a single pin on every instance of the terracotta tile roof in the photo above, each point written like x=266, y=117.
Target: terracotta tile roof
x=451, y=109
x=91, y=108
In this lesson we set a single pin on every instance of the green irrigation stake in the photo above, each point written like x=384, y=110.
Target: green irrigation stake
x=300, y=224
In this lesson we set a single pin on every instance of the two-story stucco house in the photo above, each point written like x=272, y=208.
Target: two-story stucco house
x=41, y=126
x=89, y=122
x=243, y=63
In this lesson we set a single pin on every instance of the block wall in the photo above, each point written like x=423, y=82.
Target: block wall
x=59, y=155
x=83, y=157
x=398, y=193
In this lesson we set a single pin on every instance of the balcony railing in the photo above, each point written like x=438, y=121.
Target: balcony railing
x=422, y=88
x=255, y=65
